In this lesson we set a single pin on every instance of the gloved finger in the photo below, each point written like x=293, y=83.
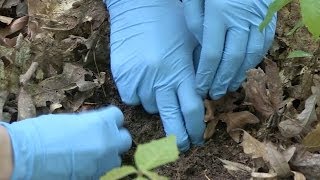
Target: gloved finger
x=171, y=117
x=112, y=113
x=193, y=10
x=196, y=57
x=233, y=56
x=125, y=142
x=253, y=57
x=192, y=109
x=212, y=47
x=148, y=99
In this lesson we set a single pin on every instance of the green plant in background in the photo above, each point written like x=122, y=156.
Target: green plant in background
x=310, y=12
x=147, y=157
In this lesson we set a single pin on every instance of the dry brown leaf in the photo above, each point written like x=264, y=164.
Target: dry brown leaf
x=237, y=120
x=14, y=27
x=274, y=84
x=6, y=4
x=307, y=163
x=277, y=161
x=210, y=109
x=26, y=108
x=252, y=146
x=298, y=176
x=210, y=129
x=263, y=176
x=256, y=92
x=6, y=20
x=288, y=153
x=234, y=166
x=312, y=140
x=3, y=98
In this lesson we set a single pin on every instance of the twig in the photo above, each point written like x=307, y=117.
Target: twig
x=26, y=77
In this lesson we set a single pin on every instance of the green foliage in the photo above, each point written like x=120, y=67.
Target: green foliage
x=299, y=54
x=273, y=8
x=147, y=157
x=310, y=11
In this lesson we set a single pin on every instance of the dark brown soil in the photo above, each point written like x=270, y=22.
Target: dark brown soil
x=198, y=163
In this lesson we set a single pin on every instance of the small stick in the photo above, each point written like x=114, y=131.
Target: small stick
x=26, y=77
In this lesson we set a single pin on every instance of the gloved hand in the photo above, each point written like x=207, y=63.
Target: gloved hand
x=231, y=41
x=68, y=146
x=152, y=64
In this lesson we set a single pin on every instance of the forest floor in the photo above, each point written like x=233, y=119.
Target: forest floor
x=81, y=36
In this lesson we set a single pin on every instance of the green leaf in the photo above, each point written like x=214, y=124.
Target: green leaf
x=154, y=176
x=140, y=178
x=118, y=173
x=310, y=11
x=273, y=8
x=297, y=26
x=299, y=54
x=156, y=153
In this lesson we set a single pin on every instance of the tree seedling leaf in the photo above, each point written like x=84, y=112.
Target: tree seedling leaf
x=273, y=8
x=277, y=161
x=118, y=173
x=154, y=176
x=156, y=153
x=299, y=54
x=310, y=16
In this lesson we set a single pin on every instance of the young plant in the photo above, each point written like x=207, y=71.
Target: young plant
x=310, y=12
x=147, y=157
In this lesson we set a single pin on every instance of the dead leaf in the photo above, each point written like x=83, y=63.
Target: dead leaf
x=256, y=92
x=6, y=4
x=3, y=98
x=277, y=161
x=210, y=109
x=234, y=166
x=307, y=163
x=263, y=176
x=298, y=176
x=288, y=153
x=26, y=108
x=6, y=20
x=237, y=120
x=210, y=129
x=252, y=146
x=274, y=84
x=312, y=140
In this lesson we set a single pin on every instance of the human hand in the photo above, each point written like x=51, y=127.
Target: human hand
x=228, y=31
x=68, y=146
x=152, y=64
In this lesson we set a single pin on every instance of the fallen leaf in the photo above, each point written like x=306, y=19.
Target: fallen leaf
x=288, y=153
x=6, y=4
x=252, y=146
x=234, y=166
x=3, y=98
x=237, y=120
x=210, y=109
x=210, y=129
x=274, y=84
x=263, y=176
x=312, y=140
x=298, y=176
x=277, y=161
x=256, y=92
x=306, y=163
x=6, y=20
x=26, y=108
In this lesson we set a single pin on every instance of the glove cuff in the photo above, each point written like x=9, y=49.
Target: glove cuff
x=23, y=150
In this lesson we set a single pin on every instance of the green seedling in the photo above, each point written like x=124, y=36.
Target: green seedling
x=147, y=157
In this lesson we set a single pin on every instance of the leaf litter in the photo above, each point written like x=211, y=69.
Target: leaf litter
x=62, y=38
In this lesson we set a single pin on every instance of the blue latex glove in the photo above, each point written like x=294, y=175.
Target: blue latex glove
x=231, y=41
x=68, y=146
x=152, y=64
